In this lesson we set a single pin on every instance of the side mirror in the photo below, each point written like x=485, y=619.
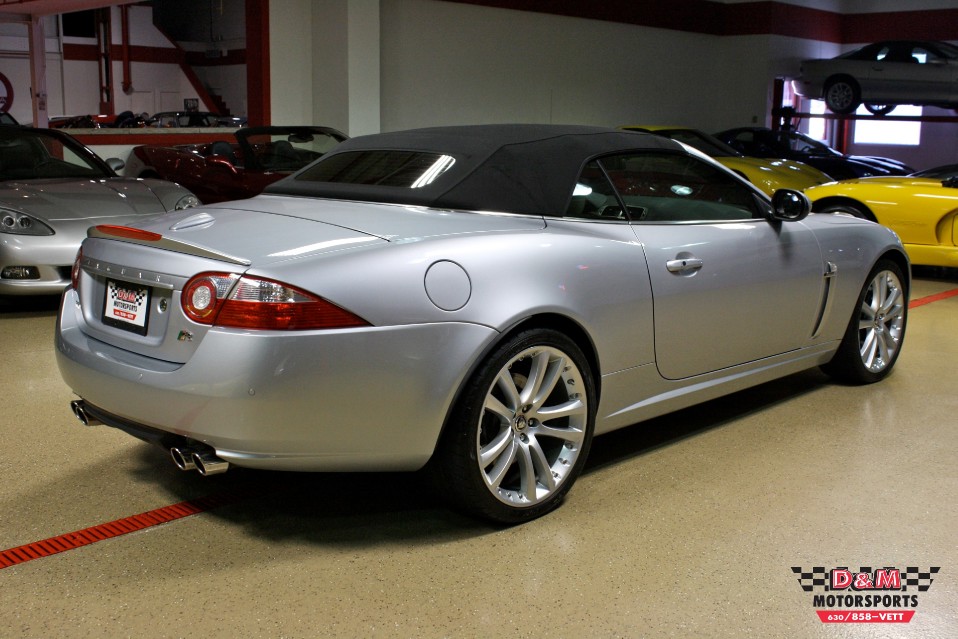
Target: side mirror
x=116, y=164
x=790, y=206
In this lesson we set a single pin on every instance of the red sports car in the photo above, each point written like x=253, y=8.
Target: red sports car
x=240, y=165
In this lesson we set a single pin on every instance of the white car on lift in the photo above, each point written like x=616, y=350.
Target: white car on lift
x=883, y=75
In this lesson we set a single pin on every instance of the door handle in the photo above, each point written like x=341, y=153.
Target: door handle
x=687, y=264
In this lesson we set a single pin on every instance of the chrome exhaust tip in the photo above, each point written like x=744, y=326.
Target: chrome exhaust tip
x=183, y=458
x=78, y=406
x=209, y=464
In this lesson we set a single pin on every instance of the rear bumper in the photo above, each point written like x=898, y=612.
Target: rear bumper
x=357, y=399
x=807, y=89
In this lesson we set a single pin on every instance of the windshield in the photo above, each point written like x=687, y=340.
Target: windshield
x=708, y=145
x=284, y=149
x=939, y=172
x=807, y=144
x=947, y=50
x=27, y=154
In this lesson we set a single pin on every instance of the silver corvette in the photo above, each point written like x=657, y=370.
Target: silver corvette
x=52, y=189
x=480, y=301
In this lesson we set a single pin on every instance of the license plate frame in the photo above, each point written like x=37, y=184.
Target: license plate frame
x=127, y=306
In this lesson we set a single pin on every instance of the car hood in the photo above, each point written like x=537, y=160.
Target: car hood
x=868, y=187
x=272, y=228
x=884, y=163
x=783, y=168
x=57, y=200
x=771, y=175
x=893, y=180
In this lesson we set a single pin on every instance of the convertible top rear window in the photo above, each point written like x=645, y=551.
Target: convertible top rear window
x=408, y=169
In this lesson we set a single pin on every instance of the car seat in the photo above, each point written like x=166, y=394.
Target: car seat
x=224, y=149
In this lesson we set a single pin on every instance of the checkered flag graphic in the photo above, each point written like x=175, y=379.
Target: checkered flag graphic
x=915, y=577
x=816, y=578
x=139, y=294
x=912, y=576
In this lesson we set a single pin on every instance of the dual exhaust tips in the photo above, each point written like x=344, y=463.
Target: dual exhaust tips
x=202, y=459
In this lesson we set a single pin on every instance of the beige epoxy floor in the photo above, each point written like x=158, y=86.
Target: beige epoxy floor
x=685, y=526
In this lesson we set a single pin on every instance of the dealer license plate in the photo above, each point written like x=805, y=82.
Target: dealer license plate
x=127, y=306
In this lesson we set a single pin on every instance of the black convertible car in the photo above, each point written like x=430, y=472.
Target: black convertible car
x=761, y=142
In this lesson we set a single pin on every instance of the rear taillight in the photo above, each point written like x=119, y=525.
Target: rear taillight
x=228, y=300
x=204, y=295
x=75, y=271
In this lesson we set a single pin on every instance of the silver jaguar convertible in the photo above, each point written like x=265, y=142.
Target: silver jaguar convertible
x=480, y=301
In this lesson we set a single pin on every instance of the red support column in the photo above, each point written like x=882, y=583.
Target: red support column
x=257, y=63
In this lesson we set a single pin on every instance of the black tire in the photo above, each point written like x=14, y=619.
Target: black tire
x=842, y=95
x=876, y=330
x=503, y=456
x=880, y=109
x=848, y=208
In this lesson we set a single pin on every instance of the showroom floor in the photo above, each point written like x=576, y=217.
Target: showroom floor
x=685, y=526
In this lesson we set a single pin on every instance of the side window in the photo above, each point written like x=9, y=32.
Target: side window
x=924, y=56
x=593, y=198
x=663, y=187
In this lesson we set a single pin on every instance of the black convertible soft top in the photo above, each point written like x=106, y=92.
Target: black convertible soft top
x=517, y=168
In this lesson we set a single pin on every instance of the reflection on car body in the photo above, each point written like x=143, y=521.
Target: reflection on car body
x=479, y=300
x=769, y=175
x=920, y=208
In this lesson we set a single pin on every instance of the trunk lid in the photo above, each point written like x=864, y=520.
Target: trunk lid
x=235, y=237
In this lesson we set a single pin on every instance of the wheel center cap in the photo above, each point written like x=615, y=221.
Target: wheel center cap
x=519, y=424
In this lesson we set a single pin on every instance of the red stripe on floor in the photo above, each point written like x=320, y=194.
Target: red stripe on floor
x=921, y=301
x=110, y=529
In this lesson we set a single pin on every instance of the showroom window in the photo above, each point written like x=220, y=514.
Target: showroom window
x=872, y=130
x=880, y=131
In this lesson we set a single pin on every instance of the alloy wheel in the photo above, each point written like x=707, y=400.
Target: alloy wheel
x=532, y=426
x=881, y=321
x=841, y=96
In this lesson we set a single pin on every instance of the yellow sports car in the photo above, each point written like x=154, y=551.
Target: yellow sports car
x=768, y=175
x=921, y=210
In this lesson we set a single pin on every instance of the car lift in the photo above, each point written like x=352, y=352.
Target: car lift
x=787, y=118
